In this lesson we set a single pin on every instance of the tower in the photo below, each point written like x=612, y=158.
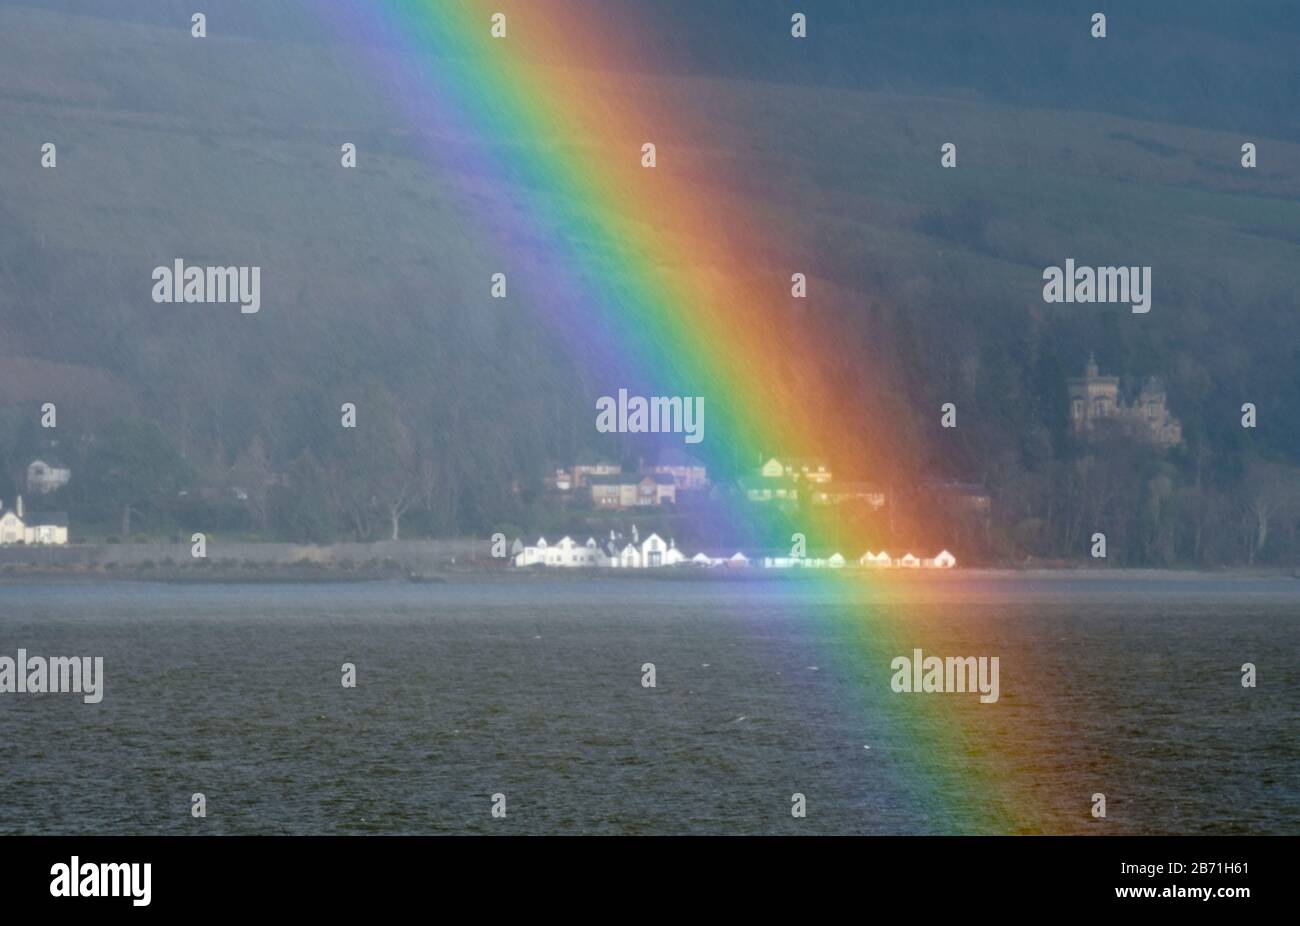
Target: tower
x=1092, y=397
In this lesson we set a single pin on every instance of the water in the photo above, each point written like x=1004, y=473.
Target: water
x=533, y=689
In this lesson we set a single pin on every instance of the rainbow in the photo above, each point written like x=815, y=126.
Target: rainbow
x=683, y=288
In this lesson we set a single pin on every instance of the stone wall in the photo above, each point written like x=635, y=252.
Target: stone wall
x=411, y=554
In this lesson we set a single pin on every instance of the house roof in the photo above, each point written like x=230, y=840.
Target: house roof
x=675, y=456
x=608, y=480
x=46, y=519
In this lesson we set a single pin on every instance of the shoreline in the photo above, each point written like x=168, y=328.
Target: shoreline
x=471, y=560
x=324, y=573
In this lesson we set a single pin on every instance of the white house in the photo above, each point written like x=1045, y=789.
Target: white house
x=909, y=562
x=45, y=477
x=674, y=555
x=533, y=555
x=944, y=560
x=630, y=557
x=738, y=559
x=32, y=527
x=12, y=529
x=876, y=560
x=795, y=469
x=836, y=561
x=564, y=553
x=653, y=550
x=592, y=555
x=702, y=559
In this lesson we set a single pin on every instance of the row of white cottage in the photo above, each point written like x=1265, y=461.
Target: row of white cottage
x=654, y=552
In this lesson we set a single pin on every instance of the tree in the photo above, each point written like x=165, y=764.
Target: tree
x=1270, y=491
x=397, y=472
x=376, y=470
x=133, y=464
x=300, y=507
x=252, y=472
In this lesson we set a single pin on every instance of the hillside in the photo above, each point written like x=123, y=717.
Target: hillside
x=226, y=151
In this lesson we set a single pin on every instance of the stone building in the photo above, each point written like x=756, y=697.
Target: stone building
x=1095, y=398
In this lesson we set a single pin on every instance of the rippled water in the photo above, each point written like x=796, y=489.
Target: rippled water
x=533, y=689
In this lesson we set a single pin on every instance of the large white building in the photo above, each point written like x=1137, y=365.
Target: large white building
x=32, y=528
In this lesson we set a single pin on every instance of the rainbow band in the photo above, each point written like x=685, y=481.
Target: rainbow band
x=655, y=267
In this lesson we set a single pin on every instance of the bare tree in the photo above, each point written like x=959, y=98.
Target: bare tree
x=1271, y=491
x=397, y=474
x=252, y=473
